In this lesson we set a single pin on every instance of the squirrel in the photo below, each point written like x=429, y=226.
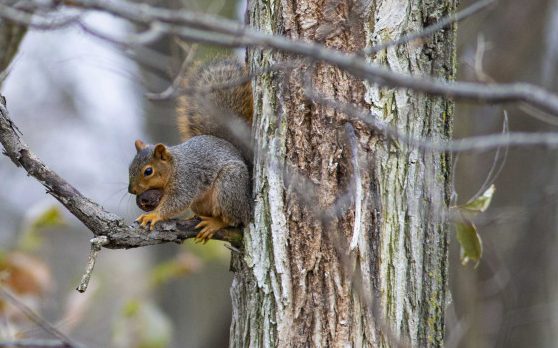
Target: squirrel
x=210, y=172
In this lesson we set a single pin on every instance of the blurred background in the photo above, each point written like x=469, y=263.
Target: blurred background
x=511, y=298
x=80, y=103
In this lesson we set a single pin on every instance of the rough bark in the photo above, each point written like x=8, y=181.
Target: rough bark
x=11, y=35
x=376, y=275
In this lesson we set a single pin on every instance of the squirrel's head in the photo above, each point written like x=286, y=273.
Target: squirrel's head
x=150, y=169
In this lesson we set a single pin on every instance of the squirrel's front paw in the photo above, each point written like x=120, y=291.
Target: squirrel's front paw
x=209, y=226
x=149, y=218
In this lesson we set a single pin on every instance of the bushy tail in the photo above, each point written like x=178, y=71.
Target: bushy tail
x=218, y=101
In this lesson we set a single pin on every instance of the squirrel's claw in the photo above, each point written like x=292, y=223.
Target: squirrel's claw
x=209, y=226
x=194, y=216
x=149, y=218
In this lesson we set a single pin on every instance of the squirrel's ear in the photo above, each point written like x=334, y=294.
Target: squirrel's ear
x=140, y=145
x=161, y=152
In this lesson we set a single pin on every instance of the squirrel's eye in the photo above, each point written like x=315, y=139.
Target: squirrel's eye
x=148, y=171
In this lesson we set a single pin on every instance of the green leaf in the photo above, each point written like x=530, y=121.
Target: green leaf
x=183, y=264
x=51, y=217
x=30, y=239
x=143, y=325
x=165, y=272
x=469, y=240
x=131, y=308
x=481, y=203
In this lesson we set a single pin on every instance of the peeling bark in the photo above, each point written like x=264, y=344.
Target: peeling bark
x=376, y=275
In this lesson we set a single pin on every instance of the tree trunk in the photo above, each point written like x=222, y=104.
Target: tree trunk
x=11, y=35
x=375, y=275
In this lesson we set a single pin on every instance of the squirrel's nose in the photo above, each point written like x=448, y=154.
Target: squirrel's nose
x=130, y=189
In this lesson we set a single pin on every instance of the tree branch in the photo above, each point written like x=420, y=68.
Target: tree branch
x=480, y=143
x=220, y=31
x=34, y=343
x=224, y=32
x=443, y=23
x=38, y=320
x=101, y=222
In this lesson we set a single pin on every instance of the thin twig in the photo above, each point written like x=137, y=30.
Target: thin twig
x=476, y=143
x=441, y=24
x=153, y=60
x=37, y=21
x=497, y=164
x=97, y=244
x=37, y=319
x=34, y=343
x=224, y=32
x=538, y=114
x=172, y=90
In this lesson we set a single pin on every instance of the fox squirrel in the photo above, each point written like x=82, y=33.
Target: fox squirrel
x=209, y=172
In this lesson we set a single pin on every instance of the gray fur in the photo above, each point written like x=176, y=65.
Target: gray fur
x=200, y=162
x=232, y=183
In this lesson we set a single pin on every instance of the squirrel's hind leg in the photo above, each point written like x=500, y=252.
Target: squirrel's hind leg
x=209, y=226
x=233, y=194
x=228, y=202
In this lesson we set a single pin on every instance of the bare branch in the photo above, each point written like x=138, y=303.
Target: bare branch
x=37, y=21
x=224, y=32
x=172, y=90
x=206, y=28
x=37, y=319
x=498, y=163
x=443, y=23
x=152, y=60
x=101, y=222
x=477, y=143
x=34, y=343
x=97, y=244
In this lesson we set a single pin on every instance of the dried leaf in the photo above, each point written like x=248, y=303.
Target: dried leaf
x=25, y=274
x=469, y=240
x=481, y=203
